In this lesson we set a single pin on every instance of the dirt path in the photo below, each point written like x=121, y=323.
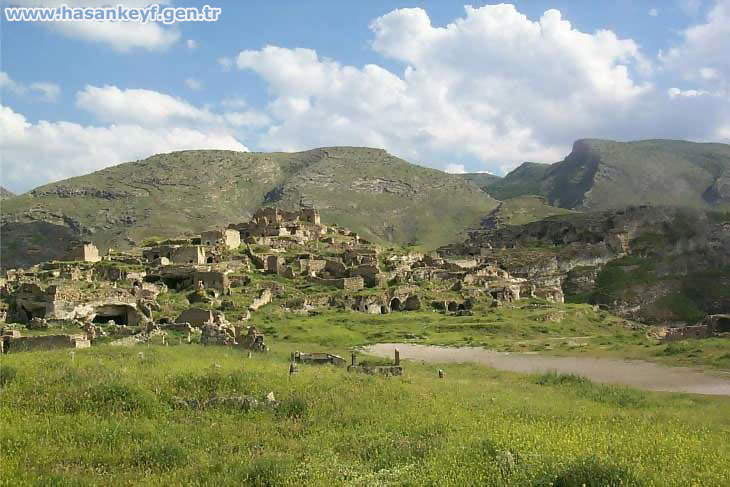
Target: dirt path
x=634, y=373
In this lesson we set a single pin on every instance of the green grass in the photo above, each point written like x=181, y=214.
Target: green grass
x=113, y=418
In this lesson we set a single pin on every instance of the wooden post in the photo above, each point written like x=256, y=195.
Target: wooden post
x=352, y=357
x=397, y=357
x=441, y=374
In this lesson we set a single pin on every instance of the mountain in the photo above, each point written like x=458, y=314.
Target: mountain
x=524, y=180
x=603, y=174
x=5, y=194
x=481, y=179
x=382, y=197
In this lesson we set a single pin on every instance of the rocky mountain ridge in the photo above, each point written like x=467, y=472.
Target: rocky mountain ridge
x=382, y=197
x=604, y=174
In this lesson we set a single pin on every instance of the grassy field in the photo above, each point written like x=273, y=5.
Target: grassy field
x=571, y=329
x=116, y=416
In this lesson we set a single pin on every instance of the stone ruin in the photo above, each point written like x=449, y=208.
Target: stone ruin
x=117, y=293
x=387, y=370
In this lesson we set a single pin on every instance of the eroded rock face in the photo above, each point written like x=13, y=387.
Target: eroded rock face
x=719, y=191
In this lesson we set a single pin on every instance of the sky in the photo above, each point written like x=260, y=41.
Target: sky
x=462, y=88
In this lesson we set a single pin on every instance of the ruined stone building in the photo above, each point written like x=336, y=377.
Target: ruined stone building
x=228, y=237
x=86, y=252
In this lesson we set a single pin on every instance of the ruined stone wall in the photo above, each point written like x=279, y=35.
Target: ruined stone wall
x=188, y=254
x=349, y=283
x=312, y=265
x=195, y=316
x=45, y=342
x=212, y=279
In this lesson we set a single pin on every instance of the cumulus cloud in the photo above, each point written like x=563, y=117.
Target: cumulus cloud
x=702, y=55
x=675, y=92
x=134, y=124
x=120, y=36
x=191, y=44
x=112, y=104
x=248, y=118
x=653, y=12
x=43, y=91
x=36, y=153
x=493, y=86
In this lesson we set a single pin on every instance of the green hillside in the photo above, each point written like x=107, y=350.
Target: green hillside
x=603, y=174
x=368, y=190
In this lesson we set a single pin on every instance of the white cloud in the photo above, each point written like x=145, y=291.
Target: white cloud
x=111, y=104
x=194, y=84
x=653, y=12
x=492, y=86
x=7, y=83
x=120, y=36
x=40, y=90
x=675, y=92
x=234, y=103
x=191, y=44
x=49, y=91
x=455, y=169
x=703, y=53
x=249, y=118
x=36, y=153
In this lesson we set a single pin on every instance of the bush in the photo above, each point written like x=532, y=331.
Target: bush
x=605, y=393
x=160, y=456
x=552, y=378
x=293, y=408
x=267, y=471
x=117, y=397
x=677, y=348
x=591, y=472
x=7, y=374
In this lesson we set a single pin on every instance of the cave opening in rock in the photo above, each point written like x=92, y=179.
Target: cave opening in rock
x=723, y=325
x=119, y=319
x=395, y=304
x=118, y=313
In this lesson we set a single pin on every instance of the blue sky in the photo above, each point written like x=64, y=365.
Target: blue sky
x=461, y=89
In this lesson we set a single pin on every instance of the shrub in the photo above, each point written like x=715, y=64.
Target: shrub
x=7, y=374
x=267, y=471
x=117, y=397
x=591, y=472
x=552, y=378
x=160, y=456
x=605, y=393
x=293, y=408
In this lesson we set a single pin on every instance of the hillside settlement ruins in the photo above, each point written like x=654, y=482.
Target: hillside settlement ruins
x=209, y=287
